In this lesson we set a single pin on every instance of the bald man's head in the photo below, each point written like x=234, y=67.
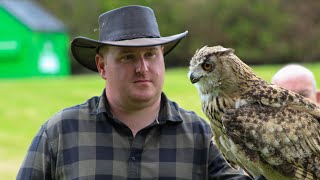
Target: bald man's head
x=299, y=79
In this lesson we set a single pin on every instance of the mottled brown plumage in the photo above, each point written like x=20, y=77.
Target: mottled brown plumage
x=265, y=129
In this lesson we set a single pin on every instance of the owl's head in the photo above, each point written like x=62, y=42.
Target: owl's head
x=215, y=69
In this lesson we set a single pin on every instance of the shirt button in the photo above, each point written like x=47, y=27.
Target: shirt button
x=133, y=158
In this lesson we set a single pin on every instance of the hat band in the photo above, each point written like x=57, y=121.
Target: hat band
x=132, y=36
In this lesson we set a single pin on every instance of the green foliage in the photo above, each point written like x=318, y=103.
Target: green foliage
x=250, y=22
x=274, y=31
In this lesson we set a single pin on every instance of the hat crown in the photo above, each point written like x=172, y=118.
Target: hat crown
x=129, y=26
x=129, y=22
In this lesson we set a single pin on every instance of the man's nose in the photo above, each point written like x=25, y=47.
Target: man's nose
x=142, y=65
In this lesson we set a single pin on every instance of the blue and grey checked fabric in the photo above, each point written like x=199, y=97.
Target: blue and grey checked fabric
x=87, y=142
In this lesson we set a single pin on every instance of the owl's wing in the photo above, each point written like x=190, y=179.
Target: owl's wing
x=285, y=138
x=275, y=96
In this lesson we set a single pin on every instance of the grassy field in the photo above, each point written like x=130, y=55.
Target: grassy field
x=28, y=103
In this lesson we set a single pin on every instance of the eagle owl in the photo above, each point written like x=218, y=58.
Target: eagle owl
x=265, y=129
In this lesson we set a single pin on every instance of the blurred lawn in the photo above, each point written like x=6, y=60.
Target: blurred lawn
x=28, y=103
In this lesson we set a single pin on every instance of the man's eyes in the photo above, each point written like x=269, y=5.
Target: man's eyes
x=147, y=55
x=127, y=57
x=150, y=54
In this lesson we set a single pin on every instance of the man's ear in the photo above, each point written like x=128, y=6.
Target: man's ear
x=100, y=65
x=318, y=97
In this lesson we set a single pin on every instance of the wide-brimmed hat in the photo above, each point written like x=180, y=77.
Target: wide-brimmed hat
x=129, y=26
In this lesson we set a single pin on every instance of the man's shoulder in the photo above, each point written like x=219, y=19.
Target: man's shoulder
x=77, y=112
x=184, y=112
x=189, y=116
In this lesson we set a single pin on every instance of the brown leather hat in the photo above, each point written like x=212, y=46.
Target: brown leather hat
x=129, y=26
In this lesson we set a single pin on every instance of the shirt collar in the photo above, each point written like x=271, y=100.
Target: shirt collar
x=169, y=111
x=102, y=105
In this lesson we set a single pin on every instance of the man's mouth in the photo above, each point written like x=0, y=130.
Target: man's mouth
x=142, y=81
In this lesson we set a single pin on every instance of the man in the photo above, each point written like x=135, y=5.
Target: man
x=132, y=131
x=299, y=79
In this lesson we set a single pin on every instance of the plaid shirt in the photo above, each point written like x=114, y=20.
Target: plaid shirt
x=87, y=142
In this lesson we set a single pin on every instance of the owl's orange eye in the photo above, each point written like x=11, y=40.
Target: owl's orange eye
x=207, y=66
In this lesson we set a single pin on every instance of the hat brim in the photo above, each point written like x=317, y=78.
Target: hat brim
x=84, y=49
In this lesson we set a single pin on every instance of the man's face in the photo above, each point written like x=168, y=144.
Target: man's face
x=133, y=74
x=301, y=85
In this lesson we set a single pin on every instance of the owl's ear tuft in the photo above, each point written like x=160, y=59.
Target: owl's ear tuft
x=201, y=49
x=224, y=51
x=231, y=50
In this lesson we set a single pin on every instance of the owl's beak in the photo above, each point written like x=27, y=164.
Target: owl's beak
x=194, y=79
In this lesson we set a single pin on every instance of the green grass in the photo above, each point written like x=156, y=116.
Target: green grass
x=28, y=103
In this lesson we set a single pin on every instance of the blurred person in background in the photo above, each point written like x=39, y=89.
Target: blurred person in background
x=298, y=79
x=131, y=131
